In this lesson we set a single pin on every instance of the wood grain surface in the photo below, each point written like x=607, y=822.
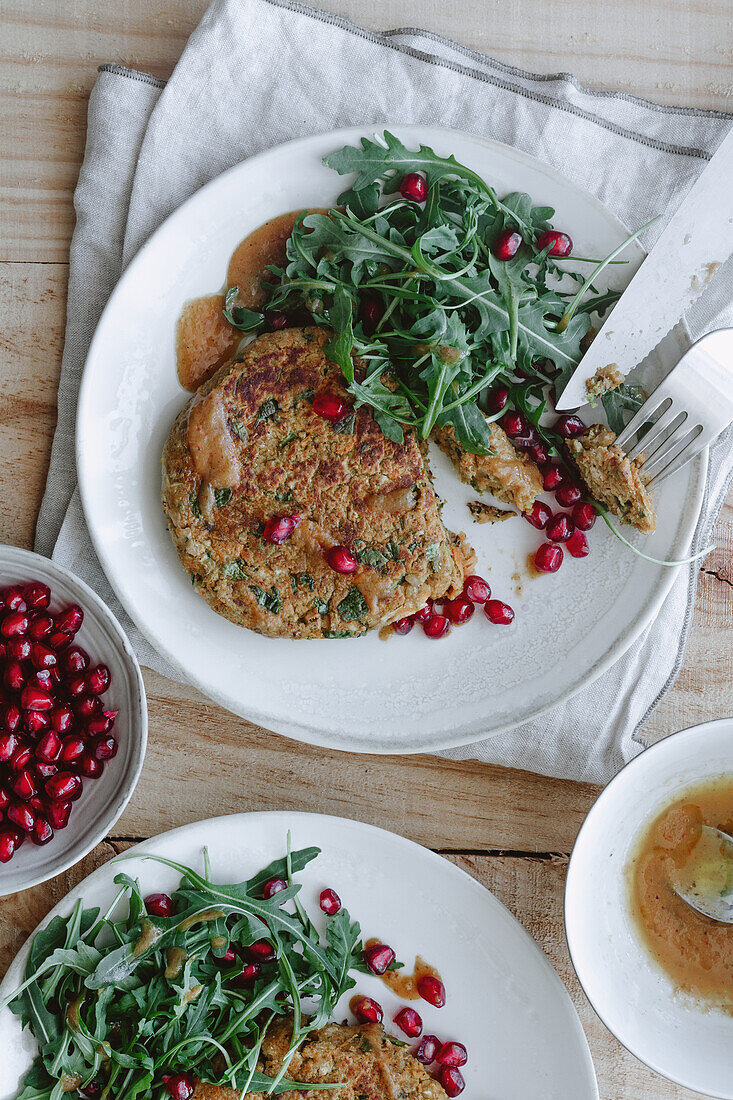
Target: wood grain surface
x=513, y=831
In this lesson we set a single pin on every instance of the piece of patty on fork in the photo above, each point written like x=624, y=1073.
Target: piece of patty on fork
x=249, y=447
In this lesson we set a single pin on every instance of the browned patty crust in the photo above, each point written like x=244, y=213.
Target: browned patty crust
x=364, y=1058
x=347, y=482
x=506, y=473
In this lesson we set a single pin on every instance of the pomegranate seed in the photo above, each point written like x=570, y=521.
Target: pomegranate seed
x=35, y=698
x=432, y=990
x=507, y=244
x=529, y=439
x=424, y=613
x=552, y=477
x=92, y=1091
x=22, y=816
x=539, y=516
x=59, y=640
x=367, y=1010
x=427, y=1050
x=111, y=714
x=179, y=1085
x=583, y=516
x=452, y=1054
x=459, y=611
x=341, y=560
x=403, y=626
x=62, y=718
x=378, y=958
x=35, y=722
x=370, y=313
x=72, y=747
x=64, y=787
x=18, y=648
x=42, y=656
x=40, y=626
x=69, y=621
x=538, y=453
x=76, y=686
x=20, y=757
x=8, y=744
x=273, y=886
x=577, y=545
x=279, y=529
x=247, y=974
x=498, y=612
x=409, y=1021
x=570, y=426
x=4, y=799
x=452, y=1081
x=560, y=528
x=497, y=398
x=36, y=803
x=14, y=623
x=159, y=905
x=75, y=659
x=37, y=595
x=278, y=321
x=43, y=679
x=568, y=494
x=414, y=187
x=11, y=716
x=10, y=841
x=260, y=951
x=476, y=589
x=100, y=723
x=559, y=243
x=24, y=784
x=86, y=706
x=99, y=679
x=58, y=814
x=514, y=424
x=13, y=599
x=90, y=767
x=227, y=959
x=44, y=770
x=42, y=831
x=548, y=559
x=437, y=626
x=330, y=902
x=104, y=747
x=331, y=407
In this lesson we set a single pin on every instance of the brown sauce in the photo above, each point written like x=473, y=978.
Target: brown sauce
x=404, y=985
x=175, y=957
x=374, y=586
x=210, y=442
x=695, y=951
x=148, y=935
x=198, y=918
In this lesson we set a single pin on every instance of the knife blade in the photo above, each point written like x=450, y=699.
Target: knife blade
x=697, y=240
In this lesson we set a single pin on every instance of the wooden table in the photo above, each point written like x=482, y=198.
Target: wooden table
x=511, y=830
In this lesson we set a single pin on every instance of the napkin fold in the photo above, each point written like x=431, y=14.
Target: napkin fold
x=259, y=72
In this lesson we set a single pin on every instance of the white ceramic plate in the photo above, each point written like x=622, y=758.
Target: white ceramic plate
x=673, y=1033
x=409, y=694
x=103, y=799
x=504, y=1000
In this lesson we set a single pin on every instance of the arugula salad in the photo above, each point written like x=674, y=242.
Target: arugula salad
x=117, y=1003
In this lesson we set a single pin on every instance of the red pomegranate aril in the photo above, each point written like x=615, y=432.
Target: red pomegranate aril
x=4, y=799
x=273, y=886
x=437, y=626
x=497, y=398
x=13, y=599
x=89, y=766
x=278, y=321
x=98, y=724
x=92, y=1091
x=341, y=560
x=76, y=686
x=22, y=816
x=507, y=244
x=330, y=902
x=409, y=1021
x=528, y=439
x=247, y=974
x=425, y=612
x=10, y=841
x=86, y=706
x=21, y=757
x=559, y=243
x=548, y=558
x=111, y=714
x=577, y=545
x=552, y=477
x=37, y=595
x=452, y=1081
x=432, y=990
x=44, y=770
x=75, y=659
x=514, y=424
x=540, y=515
x=427, y=1049
x=378, y=958
x=367, y=1010
x=99, y=679
x=570, y=426
x=414, y=187
x=180, y=1085
x=583, y=515
x=159, y=905
x=370, y=313
x=58, y=814
x=36, y=803
x=227, y=959
x=476, y=589
x=40, y=626
x=538, y=453
x=459, y=611
x=560, y=528
x=42, y=656
x=18, y=648
x=72, y=747
x=331, y=407
x=277, y=531
x=35, y=698
x=35, y=722
x=404, y=625
x=452, y=1054
x=59, y=640
x=498, y=612
x=64, y=787
x=568, y=494
x=62, y=718
x=9, y=742
x=24, y=785
x=42, y=831
x=260, y=951
x=42, y=678
x=70, y=620
x=104, y=747
x=11, y=716
x=13, y=624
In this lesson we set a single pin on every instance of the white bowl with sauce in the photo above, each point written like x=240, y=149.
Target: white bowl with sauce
x=682, y=1036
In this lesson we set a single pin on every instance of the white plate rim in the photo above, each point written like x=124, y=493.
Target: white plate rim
x=411, y=847
x=311, y=734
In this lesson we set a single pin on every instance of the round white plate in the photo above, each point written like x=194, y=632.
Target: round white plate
x=408, y=694
x=504, y=1000
x=102, y=800
x=674, y=1033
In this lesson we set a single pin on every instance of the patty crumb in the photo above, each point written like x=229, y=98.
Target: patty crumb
x=488, y=513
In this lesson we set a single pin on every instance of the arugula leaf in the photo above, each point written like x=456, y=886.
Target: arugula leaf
x=624, y=399
x=245, y=319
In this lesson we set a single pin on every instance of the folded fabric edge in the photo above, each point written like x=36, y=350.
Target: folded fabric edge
x=131, y=74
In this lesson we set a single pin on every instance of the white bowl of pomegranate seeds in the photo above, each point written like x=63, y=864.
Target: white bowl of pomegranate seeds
x=73, y=719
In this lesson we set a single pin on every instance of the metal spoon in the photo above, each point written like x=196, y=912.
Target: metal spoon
x=705, y=881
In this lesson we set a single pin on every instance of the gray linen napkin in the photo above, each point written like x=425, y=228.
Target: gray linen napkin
x=259, y=72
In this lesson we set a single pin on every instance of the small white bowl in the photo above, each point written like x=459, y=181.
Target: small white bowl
x=671, y=1032
x=103, y=799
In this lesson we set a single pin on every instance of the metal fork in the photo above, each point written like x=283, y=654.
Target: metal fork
x=686, y=411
